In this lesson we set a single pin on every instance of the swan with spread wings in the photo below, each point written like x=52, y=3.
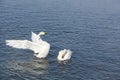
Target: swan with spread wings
x=41, y=48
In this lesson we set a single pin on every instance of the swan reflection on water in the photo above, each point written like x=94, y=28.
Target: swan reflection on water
x=62, y=65
x=33, y=66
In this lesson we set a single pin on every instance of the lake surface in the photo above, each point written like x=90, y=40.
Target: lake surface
x=90, y=28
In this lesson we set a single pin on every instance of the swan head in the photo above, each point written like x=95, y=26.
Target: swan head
x=63, y=53
x=42, y=33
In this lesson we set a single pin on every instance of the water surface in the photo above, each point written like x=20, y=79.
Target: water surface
x=90, y=28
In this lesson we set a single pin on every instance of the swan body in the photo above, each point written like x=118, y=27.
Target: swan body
x=64, y=55
x=41, y=48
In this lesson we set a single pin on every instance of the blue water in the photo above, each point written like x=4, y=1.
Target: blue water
x=90, y=28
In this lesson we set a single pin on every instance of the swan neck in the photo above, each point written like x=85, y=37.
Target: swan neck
x=40, y=37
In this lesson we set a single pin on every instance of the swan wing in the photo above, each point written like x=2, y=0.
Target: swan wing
x=35, y=37
x=23, y=44
x=68, y=55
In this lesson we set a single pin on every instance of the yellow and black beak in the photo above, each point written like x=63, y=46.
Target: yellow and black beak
x=45, y=33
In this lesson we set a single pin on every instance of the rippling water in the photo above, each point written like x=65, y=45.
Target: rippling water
x=90, y=28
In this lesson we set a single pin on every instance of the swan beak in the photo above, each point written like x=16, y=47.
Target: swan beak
x=45, y=33
x=63, y=55
x=42, y=33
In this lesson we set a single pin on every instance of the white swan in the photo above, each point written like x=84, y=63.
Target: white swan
x=40, y=47
x=64, y=55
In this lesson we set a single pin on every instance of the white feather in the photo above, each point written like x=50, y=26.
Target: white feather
x=38, y=46
x=64, y=55
x=35, y=37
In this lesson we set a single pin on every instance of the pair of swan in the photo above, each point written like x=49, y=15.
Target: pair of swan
x=41, y=48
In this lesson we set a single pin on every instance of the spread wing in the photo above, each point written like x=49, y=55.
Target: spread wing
x=24, y=44
x=35, y=37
